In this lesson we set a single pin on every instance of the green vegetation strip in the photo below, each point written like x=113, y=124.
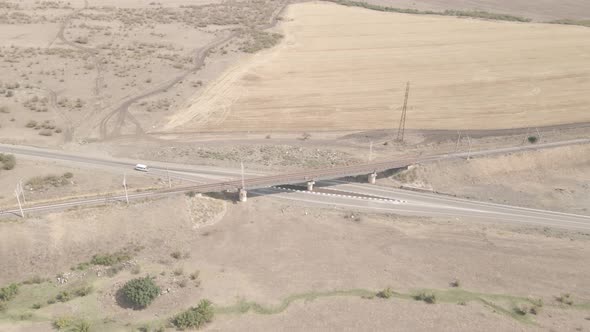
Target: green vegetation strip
x=508, y=305
x=584, y=23
x=459, y=13
x=244, y=306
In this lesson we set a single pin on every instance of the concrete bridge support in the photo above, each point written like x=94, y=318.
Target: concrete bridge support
x=242, y=195
x=372, y=177
x=310, y=185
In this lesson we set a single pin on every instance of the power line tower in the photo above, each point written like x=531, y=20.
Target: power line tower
x=402, y=121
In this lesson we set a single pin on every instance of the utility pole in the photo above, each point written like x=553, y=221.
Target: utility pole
x=168, y=174
x=371, y=151
x=469, y=152
x=22, y=190
x=242, y=168
x=402, y=122
x=16, y=193
x=125, y=186
x=538, y=134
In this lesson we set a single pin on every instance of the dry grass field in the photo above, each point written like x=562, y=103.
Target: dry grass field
x=345, y=68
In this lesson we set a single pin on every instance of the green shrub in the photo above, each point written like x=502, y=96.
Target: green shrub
x=8, y=161
x=386, y=293
x=426, y=297
x=37, y=306
x=140, y=292
x=110, y=259
x=455, y=283
x=9, y=292
x=532, y=139
x=195, y=317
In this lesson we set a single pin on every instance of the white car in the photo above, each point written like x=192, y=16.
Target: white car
x=141, y=167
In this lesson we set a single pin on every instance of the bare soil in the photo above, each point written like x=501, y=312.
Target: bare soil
x=267, y=251
x=555, y=179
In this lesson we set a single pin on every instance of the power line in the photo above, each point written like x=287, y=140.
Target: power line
x=402, y=122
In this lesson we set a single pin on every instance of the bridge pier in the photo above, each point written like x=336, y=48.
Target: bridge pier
x=310, y=185
x=242, y=195
x=373, y=178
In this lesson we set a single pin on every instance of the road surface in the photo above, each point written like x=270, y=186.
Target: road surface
x=394, y=200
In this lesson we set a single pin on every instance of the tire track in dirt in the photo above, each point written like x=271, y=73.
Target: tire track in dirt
x=121, y=114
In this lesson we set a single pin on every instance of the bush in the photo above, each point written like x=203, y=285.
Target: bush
x=195, y=317
x=178, y=272
x=45, y=132
x=68, y=175
x=8, y=161
x=565, y=299
x=36, y=306
x=35, y=280
x=136, y=269
x=31, y=124
x=455, y=283
x=386, y=293
x=195, y=275
x=426, y=297
x=110, y=259
x=140, y=292
x=9, y=292
x=521, y=310
x=532, y=139
x=63, y=296
x=83, y=291
x=176, y=255
x=81, y=326
x=62, y=323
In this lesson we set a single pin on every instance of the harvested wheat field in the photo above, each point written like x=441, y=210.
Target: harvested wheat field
x=345, y=68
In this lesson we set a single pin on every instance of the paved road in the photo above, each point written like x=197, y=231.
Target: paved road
x=412, y=203
x=403, y=202
x=383, y=200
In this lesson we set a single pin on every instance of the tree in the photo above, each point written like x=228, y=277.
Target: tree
x=140, y=292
